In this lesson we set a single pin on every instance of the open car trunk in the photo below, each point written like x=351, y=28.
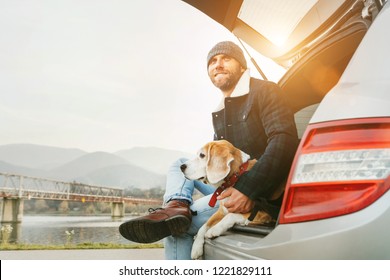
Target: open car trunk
x=314, y=43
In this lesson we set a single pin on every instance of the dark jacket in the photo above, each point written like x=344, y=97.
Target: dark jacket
x=261, y=125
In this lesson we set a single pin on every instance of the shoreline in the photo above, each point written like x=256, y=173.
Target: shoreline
x=85, y=254
x=83, y=246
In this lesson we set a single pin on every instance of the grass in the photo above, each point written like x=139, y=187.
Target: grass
x=78, y=246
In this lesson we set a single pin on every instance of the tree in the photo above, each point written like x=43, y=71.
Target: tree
x=41, y=206
x=63, y=207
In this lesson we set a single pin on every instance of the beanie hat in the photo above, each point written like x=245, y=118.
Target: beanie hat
x=230, y=49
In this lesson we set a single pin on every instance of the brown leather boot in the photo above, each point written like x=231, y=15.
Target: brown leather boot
x=174, y=219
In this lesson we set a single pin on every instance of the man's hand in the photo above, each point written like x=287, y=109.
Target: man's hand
x=238, y=202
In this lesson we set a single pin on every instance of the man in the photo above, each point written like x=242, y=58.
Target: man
x=253, y=116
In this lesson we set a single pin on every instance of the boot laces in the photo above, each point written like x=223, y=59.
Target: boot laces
x=153, y=210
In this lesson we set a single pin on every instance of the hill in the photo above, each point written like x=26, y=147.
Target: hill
x=154, y=159
x=136, y=167
x=85, y=164
x=37, y=156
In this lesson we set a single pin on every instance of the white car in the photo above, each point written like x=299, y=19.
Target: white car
x=336, y=203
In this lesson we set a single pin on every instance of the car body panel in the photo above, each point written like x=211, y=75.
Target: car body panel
x=361, y=235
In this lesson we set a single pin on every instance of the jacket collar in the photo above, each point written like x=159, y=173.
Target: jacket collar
x=242, y=88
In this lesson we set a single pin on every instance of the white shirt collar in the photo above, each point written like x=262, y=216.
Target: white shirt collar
x=242, y=88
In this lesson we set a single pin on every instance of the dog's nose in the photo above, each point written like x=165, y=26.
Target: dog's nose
x=183, y=167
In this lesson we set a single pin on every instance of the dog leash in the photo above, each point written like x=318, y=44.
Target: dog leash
x=228, y=183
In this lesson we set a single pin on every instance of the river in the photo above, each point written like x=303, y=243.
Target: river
x=53, y=230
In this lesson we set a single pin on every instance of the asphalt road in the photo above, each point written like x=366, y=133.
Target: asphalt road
x=82, y=254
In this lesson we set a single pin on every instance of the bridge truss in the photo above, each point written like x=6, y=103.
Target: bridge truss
x=19, y=186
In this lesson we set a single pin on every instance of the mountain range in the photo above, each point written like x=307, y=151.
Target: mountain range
x=141, y=167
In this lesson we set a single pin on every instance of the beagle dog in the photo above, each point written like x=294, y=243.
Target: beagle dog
x=220, y=164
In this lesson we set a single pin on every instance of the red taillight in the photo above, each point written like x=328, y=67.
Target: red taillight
x=340, y=167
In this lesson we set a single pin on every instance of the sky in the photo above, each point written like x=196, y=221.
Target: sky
x=102, y=75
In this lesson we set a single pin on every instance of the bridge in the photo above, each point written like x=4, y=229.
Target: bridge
x=14, y=189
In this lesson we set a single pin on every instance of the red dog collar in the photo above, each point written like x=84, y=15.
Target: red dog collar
x=228, y=183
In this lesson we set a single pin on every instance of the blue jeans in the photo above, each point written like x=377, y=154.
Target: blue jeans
x=178, y=187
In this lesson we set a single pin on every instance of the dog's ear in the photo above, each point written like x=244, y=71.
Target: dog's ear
x=218, y=163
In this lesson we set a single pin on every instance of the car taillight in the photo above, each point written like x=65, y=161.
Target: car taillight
x=340, y=167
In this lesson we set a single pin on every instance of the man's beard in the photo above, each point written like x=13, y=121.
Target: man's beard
x=230, y=82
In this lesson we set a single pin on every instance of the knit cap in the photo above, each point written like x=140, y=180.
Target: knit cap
x=230, y=49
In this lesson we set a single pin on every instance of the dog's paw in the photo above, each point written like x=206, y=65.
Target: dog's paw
x=197, y=249
x=215, y=231
x=197, y=252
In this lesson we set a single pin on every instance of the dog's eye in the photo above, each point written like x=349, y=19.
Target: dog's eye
x=201, y=155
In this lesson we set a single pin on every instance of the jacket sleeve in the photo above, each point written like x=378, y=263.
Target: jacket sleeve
x=274, y=164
